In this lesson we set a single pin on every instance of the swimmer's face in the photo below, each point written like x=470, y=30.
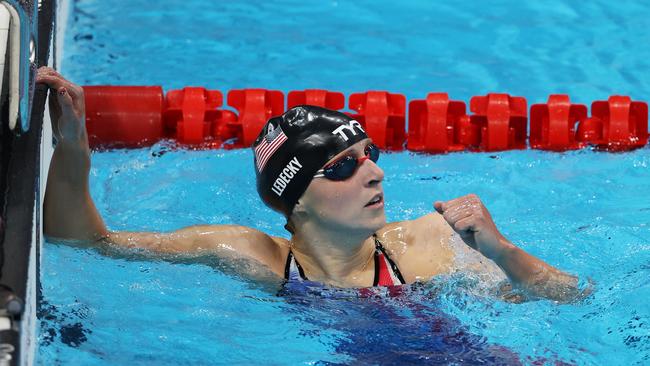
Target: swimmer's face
x=356, y=203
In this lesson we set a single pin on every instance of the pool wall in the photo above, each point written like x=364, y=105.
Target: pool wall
x=25, y=157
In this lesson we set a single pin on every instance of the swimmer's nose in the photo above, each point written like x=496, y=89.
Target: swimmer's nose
x=373, y=174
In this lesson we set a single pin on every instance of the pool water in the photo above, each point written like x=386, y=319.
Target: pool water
x=586, y=212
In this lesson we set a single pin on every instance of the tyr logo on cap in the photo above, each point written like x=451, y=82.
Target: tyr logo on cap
x=349, y=127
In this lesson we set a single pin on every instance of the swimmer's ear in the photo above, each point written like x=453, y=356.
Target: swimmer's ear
x=299, y=213
x=299, y=208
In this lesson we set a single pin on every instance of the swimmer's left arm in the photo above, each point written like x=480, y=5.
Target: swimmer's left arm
x=471, y=220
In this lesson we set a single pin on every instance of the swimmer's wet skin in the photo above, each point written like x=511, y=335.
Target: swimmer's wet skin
x=318, y=168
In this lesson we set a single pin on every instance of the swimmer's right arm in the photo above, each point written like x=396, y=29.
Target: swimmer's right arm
x=70, y=213
x=222, y=241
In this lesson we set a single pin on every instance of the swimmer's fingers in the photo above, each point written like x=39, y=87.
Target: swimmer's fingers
x=54, y=80
x=470, y=200
x=65, y=101
x=460, y=212
x=51, y=78
x=438, y=206
x=71, y=124
x=466, y=224
x=67, y=107
x=452, y=216
x=462, y=220
x=460, y=208
x=448, y=210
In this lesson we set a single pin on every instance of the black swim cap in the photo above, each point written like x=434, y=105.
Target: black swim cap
x=291, y=148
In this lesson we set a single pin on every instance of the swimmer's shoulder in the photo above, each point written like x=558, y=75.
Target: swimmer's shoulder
x=417, y=232
x=420, y=247
x=432, y=225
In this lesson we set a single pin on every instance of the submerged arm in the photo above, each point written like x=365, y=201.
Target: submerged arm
x=536, y=276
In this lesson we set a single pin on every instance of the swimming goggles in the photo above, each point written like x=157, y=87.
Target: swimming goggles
x=345, y=167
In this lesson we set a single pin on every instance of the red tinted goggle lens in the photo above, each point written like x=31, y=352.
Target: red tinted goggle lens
x=346, y=166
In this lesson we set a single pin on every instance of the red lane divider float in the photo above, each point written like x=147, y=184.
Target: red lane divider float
x=553, y=125
x=191, y=112
x=132, y=116
x=317, y=97
x=502, y=120
x=255, y=107
x=624, y=123
x=440, y=125
x=124, y=116
x=383, y=115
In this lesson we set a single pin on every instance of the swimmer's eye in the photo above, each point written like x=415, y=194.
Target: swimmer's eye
x=345, y=167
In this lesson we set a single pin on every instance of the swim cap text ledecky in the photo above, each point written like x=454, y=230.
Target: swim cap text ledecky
x=292, y=147
x=285, y=176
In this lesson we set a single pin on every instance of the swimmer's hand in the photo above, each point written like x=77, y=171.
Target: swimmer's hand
x=67, y=108
x=471, y=220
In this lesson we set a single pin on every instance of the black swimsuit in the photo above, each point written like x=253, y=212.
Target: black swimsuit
x=386, y=271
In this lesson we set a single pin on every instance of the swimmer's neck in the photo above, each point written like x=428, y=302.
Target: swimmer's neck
x=333, y=257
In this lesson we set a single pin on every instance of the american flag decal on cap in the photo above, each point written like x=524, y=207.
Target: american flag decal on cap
x=268, y=146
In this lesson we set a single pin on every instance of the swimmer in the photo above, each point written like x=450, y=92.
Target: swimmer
x=319, y=169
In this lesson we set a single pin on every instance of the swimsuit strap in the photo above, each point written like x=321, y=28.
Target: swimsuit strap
x=292, y=269
x=386, y=271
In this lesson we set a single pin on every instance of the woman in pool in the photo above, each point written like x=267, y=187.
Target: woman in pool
x=317, y=167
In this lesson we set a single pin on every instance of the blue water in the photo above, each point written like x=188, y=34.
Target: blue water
x=585, y=212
